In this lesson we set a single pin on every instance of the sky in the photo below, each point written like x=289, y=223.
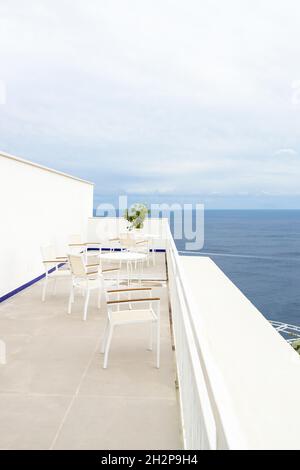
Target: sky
x=191, y=98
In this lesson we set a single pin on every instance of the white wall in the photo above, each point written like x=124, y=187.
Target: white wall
x=38, y=207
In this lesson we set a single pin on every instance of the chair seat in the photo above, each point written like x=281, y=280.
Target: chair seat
x=92, y=283
x=92, y=253
x=122, y=317
x=60, y=273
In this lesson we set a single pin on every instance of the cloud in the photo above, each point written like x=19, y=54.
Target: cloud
x=155, y=97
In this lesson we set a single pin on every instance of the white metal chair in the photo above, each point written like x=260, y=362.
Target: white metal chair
x=51, y=263
x=108, y=238
x=110, y=244
x=86, y=280
x=131, y=315
x=77, y=246
x=129, y=242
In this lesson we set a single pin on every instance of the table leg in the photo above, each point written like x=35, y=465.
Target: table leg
x=141, y=272
x=128, y=272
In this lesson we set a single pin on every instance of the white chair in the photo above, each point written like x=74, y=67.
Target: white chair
x=86, y=280
x=109, y=244
x=77, y=246
x=51, y=263
x=108, y=238
x=129, y=242
x=131, y=315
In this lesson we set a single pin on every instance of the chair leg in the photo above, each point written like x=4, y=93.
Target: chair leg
x=151, y=337
x=107, y=346
x=104, y=339
x=158, y=345
x=153, y=257
x=44, y=289
x=141, y=272
x=128, y=277
x=71, y=300
x=86, y=303
x=99, y=298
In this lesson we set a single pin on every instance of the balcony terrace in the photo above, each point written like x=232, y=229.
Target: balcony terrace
x=227, y=379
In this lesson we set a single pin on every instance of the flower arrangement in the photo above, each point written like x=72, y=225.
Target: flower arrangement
x=136, y=216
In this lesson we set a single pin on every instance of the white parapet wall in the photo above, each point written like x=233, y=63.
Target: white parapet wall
x=39, y=206
x=252, y=373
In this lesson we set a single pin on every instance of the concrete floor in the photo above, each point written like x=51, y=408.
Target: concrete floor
x=54, y=393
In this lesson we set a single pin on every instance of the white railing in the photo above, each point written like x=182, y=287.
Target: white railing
x=208, y=420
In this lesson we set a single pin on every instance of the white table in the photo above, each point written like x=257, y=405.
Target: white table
x=127, y=257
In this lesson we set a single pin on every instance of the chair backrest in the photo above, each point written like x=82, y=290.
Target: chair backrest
x=48, y=253
x=75, y=238
x=131, y=243
x=127, y=240
x=77, y=265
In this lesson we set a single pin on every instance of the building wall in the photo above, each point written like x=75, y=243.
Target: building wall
x=39, y=206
